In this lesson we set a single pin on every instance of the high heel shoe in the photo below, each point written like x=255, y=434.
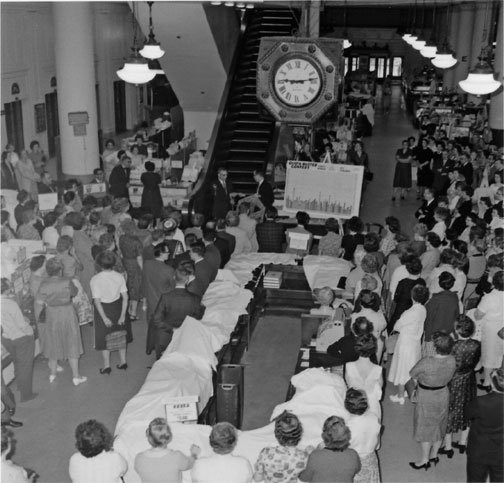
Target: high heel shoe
x=447, y=452
x=460, y=447
x=435, y=460
x=105, y=370
x=123, y=367
x=425, y=466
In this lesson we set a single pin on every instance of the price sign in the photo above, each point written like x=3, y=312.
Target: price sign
x=181, y=409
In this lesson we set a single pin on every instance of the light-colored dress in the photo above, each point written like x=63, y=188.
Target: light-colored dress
x=408, y=348
x=106, y=467
x=281, y=464
x=27, y=177
x=371, y=382
x=492, y=346
x=82, y=247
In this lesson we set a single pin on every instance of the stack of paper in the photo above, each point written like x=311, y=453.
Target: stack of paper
x=272, y=279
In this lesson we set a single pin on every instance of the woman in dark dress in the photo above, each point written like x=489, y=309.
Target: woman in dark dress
x=462, y=387
x=424, y=174
x=402, y=174
x=402, y=295
x=353, y=237
x=151, y=195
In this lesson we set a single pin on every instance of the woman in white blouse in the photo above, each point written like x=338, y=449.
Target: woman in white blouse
x=365, y=430
x=95, y=460
x=407, y=351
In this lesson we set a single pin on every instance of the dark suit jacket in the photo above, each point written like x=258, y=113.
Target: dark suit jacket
x=468, y=171
x=158, y=278
x=43, y=189
x=9, y=181
x=119, y=178
x=343, y=350
x=425, y=214
x=213, y=257
x=224, y=251
x=270, y=236
x=18, y=214
x=486, y=433
x=202, y=278
x=230, y=239
x=173, y=307
x=221, y=202
x=442, y=310
x=266, y=195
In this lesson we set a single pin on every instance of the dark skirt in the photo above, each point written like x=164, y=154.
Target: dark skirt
x=424, y=177
x=134, y=280
x=152, y=200
x=402, y=175
x=113, y=312
x=462, y=391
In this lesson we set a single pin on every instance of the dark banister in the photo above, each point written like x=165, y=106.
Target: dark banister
x=198, y=198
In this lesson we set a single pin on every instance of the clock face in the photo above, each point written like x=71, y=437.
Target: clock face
x=297, y=82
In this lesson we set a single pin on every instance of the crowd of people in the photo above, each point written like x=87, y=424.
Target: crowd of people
x=429, y=301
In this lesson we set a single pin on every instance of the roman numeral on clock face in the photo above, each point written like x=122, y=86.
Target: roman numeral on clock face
x=282, y=89
x=288, y=96
x=298, y=64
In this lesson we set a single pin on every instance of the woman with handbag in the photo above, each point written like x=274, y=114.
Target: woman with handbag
x=408, y=347
x=61, y=336
x=112, y=323
x=432, y=374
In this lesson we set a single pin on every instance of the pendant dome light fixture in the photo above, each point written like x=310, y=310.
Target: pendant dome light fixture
x=151, y=49
x=346, y=41
x=136, y=69
x=419, y=43
x=430, y=49
x=481, y=80
x=444, y=58
x=412, y=36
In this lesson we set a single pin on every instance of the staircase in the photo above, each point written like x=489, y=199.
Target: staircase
x=246, y=130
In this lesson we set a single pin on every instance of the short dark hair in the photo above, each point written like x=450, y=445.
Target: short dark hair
x=355, y=224
x=149, y=166
x=433, y=239
x=288, y=429
x=413, y=265
x=159, y=249
x=22, y=196
x=443, y=343
x=303, y=218
x=393, y=223
x=370, y=300
x=371, y=242
x=498, y=280
x=97, y=170
x=92, y=438
x=446, y=256
x=420, y=294
x=223, y=438
x=198, y=248
x=442, y=213
x=36, y=262
x=106, y=239
x=50, y=219
x=356, y=401
x=460, y=246
x=54, y=266
x=446, y=280
x=362, y=326
x=464, y=326
x=366, y=345
x=106, y=260
x=145, y=220
x=190, y=238
x=335, y=434
x=75, y=220
x=209, y=234
x=332, y=225
x=33, y=144
x=258, y=172
x=65, y=242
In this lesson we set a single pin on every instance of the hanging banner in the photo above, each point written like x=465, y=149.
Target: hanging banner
x=323, y=190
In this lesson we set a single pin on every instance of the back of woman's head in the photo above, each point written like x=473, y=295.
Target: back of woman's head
x=355, y=224
x=106, y=260
x=36, y=262
x=446, y=256
x=446, y=280
x=158, y=433
x=92, y=437
x=50, y=219
x=433, y=239
x=370, y=300
x=413, y=265
x=369, y=263
x=64, y=243
x=443, y=343
x=418, y=247
x=393, y=224
x=362, y=326
x=335, y=434
x=366, y=345
x=464, y=326
x=288, y=429
x=303, y=218
x=332, y=225
x=68, y=197
x=371, y=242
x=498, y=281
x=54, y=266
x=75, y=220
x=420, y=294
x=356, y=401
x=223, y=438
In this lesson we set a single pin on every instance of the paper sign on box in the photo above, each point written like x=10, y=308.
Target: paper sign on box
x=181, y=409
x=47, y=201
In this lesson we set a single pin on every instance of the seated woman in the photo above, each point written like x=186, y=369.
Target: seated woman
x=303, y=219
x=95, y=460
x=357, y=272
x=353, y=237
x=365, y=429
x=390, y=240
x=160, y=464
x=335, y=461
x=363, y=374
x=325, y=297
x=369, y=266
x=282, y=463
x=330, y=244
x=368, y=305
x=222, y=467
x=27, y=230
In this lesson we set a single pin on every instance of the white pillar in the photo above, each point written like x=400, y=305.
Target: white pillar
x=449, y=74
x=464, y=41
x=496, y=121
x=75, y=71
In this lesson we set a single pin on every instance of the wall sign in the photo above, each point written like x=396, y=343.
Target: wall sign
x=81, y=117
x=40, y=117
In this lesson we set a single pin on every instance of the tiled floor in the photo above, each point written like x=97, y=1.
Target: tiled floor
x=46, y=441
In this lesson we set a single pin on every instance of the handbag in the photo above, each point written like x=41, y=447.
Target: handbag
x=411, y=390
x=115, y=340
x=391, y=343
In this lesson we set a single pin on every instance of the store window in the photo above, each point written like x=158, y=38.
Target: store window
x=372, y=64
x=346, y=65
x=355, y=63
x=396, y=66
x=380, y=71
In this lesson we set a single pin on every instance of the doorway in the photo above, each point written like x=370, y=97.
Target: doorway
x=52, y=122
x=120, y=106
x=14, y=124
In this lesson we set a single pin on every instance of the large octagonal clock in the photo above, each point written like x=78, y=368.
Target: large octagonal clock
x=296, y=78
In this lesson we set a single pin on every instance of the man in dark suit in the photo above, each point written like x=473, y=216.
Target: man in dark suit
x=425, y=214
x=9, y=180
x=173, y=308
x=486, y=434
x=264, y=190
x=270, y=235
x=466, y=168
x=221, y=188
x=119, y=179
x=212, y=254
x=230, y=239
x=45, y=185
x=203, y=272
x=98, y=176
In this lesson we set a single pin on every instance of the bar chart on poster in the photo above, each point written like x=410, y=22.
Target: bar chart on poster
x=323, y=190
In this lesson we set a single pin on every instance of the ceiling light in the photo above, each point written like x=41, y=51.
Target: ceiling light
x=346, y=43
x=151, y=49
x=480, y=80
x=229, y=4
x=136, y=71
x=240, y=5
x=429, y=51
x=216, y=3
x=418, y=44
x=444, y=60
x=406, y=37
x=249, y=5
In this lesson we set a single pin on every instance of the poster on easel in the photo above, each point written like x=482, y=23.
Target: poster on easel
x=323, y=190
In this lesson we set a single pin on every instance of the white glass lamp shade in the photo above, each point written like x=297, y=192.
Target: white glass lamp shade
x=152, y=51
x=429, y=51
x=479, y=84
x=406, y=37
x=346, y=43
x=136, y=72
x=444, y=61
x=412, y=38
x=418, y=44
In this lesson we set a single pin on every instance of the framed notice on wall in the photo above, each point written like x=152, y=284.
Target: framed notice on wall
x=323, y=190
x=40, y=117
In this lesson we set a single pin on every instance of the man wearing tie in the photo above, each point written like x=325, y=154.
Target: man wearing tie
x=264, y=190
x=221, y=189
x=9, y=160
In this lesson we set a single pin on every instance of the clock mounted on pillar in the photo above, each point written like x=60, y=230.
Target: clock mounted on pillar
x=297, y=78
